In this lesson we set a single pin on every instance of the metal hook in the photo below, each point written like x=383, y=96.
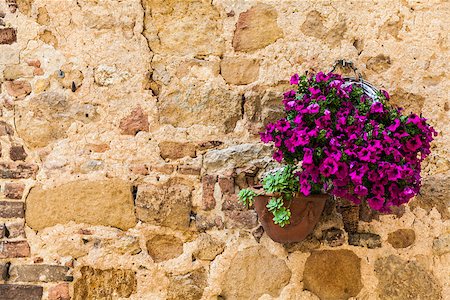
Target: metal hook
x=347, y=64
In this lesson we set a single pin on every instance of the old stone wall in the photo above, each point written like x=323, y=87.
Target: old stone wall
x=128, y=127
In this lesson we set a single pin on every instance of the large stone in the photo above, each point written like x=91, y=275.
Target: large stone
x=314, y=27
x=401, y=279
x=256, y=28
x=104, y=284
x=189, y=286
x=36, y=273
x=167, y=204
x=239, y=156
x=333, y=274
x=409, y=101
x=402, y=238
x=238, y=70
x=208, y=247
x=253, y=273
x=47, y=116
x=18, y=88
x=176, y=150
x=164, y=247
x=201, y=105
x=435, y=192
x=103, y=202
x=441, y=244
x=183, y=27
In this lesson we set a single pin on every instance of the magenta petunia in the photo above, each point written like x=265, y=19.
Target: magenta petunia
x=308, y=156
x=295, y=79
x=376, y=203
x=377, y=107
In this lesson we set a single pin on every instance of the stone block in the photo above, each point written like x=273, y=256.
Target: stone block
x=10, y=209
x=14, y=190
x=19, y=291
x=14, y=249
x=38, y=273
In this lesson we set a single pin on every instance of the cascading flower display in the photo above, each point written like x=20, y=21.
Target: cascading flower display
x=349, y=144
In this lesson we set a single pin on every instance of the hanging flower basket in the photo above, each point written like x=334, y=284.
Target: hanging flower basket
x=340, y=136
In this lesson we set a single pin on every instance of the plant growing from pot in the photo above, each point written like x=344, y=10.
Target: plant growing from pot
x=341, y=137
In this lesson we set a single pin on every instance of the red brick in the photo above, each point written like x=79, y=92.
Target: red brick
x=19, y=291
x=135, y=122
x=11, y=209
x=226, y=185
x=15, y=228
x=14, y=190
x=8, y=36
x=17, y=171
x=208, y=182
x=12, y=249
x=17, y=152
x=231, y=202
x=38, y=273
x=59, y=292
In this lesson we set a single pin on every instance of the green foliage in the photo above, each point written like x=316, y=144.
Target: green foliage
x=246, y=197
x=282, y=216
x=275, y=204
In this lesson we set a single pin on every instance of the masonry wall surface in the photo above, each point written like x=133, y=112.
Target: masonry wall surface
x=128, y=127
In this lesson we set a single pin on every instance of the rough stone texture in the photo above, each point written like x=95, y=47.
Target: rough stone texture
x=175, y=150
x=256, y=28
x=11, y=209
x=59, y=292
x=36, y=273
x=402, y=238
x=19, y=291
x=103, y=202
x=365, y=239
x=17, y=153
x=207, y=75
x=208, y=199
x=164, y=247
x=101, y=284
x=188, y=27
x=254, y=272
x=168, y=204
x=239, y=70
x=434, y=193
x=321, y=269
x=402, y=279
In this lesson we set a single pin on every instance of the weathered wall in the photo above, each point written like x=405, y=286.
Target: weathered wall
x=127, y=128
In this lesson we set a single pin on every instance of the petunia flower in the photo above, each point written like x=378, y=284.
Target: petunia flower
x=295, y=79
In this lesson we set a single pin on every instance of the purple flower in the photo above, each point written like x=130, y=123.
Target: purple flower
x=394, y=173
x=377, y=107
x=342, y=170
x=413, y=144
x=313, y=108
x=385, y=94
x=328, y=167
x=278, y=155
x=378, y=190
x=376, y=202
x=394, y=126
x=321, y=77
x=308, y=156
x=266, y=137
x=295, y=79
x=315, y=92
x=361, y=190
x=305, y=188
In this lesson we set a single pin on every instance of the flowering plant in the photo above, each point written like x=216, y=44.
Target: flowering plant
x=350, y=143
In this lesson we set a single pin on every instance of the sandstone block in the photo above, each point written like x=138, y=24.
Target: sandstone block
x=402, y=238
x=256, y=28
x=188, y=27
x=263, y=274
x=364, y=239
x=103, y=284
x=441, y=244
x=189, y=286
x=402, y=279
x=135, y=122
x=320, y=272
x=13, y=72
x=208, y=247
x=167, y=204
x=435, y=192
x=19, y=291
x=239, y=71
x=112, y=200
x=176, y=150
x=164, y=247
x=38, y=273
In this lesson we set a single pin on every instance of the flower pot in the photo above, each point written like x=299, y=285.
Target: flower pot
x=305, y=214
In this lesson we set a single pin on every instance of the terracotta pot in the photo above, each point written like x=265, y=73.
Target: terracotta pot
x=305, y=214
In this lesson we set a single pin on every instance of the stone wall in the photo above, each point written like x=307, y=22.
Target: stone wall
x=128, y=127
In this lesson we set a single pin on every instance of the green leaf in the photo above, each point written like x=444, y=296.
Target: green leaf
x=246, y=197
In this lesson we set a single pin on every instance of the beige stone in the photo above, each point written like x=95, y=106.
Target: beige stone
x=176, y=150
x=253, y=273
x=256, y=28
x=333, y=274
x=49, y=38
x=103, y=202
x=136, y=121
x=164, y=247
x=165, y=204
x=14, y=72
x=401, y=279
x=314, y=27
x=435, y=192
x=183, y=27
x=70, y=75
x=208, y=247
x=43, y=17
x=203, y=105
x=104, y=284
x=189, y=286
x=402, y=238
x=237, y=70
x=41, y=85
x=18, y=88
x=409, y=101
